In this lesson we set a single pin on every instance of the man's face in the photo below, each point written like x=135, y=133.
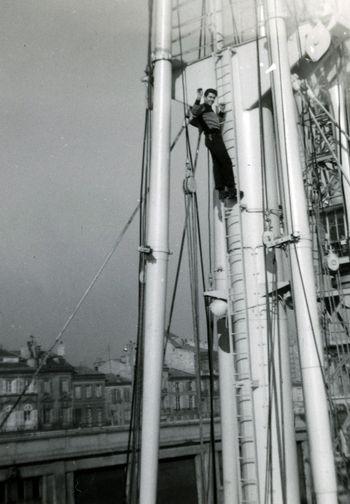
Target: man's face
x=210, y=98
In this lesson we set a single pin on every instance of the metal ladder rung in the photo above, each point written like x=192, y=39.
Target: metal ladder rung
x=234, y=247
x=236, y=275
x=231, y=235
x=244, y=334
x=240, y=384
x=240, y=359
x=221, y=65
x=248, y=482
x=236, y=301
x=237, y=280
x=236, y=313
x=240, y=339
x=245, y=419
x=221, y=95
x=223, y=84
x=246, y=439
x=234, y=236
x=235, y=260
x=242, y=377
x=244, y=398
x=236, y=295
x=220, y=69
x=223, y=75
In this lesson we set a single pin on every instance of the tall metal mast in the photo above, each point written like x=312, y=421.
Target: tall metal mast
x=228, y=408
x=229, y=429
x=157, y=241
x=305, y=299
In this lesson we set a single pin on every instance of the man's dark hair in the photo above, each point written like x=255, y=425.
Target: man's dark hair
x=211, y=90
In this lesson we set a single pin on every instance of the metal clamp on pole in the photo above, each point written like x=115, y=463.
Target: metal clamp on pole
x=161, y=55
x=270, y=241
x=145, y=249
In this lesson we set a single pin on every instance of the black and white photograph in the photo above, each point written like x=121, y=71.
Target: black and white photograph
x=175, y=252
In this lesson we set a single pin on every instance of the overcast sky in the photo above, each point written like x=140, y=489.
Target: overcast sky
x=72, y=111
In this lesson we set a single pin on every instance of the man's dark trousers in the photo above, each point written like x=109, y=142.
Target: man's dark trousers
x=223, y=174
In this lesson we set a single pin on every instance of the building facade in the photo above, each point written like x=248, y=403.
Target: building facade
x=88, y=398
x=51, y=393
x=15, y=377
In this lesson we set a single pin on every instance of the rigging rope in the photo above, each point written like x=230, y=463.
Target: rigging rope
x=191, y=233
x=134, y=437
x=131, y=482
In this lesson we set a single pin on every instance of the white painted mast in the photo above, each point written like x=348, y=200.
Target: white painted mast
x=228, y=409
x=158, y=241
x=305, y=296
x=281, y=341
x=223, y=338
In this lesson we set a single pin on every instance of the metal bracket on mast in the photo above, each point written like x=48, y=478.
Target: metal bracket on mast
x=270, y=241
x=161, y=55
x=216, y=294
x=145, y=249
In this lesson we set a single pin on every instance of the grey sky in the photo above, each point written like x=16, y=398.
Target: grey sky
x=72, y=111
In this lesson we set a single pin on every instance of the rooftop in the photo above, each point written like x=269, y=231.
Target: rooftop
x=86, y=371
x=112, y=379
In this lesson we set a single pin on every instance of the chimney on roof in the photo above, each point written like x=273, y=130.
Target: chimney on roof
x=31, y=346
x=60, y=349
x=32, y=349
x=25, y=354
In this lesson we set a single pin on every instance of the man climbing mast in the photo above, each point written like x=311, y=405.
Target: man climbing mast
x=210, y=122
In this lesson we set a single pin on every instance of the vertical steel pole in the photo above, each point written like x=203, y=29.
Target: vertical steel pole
x=305, y=296
x=157, y=265
x=281, y=341
x=228, y=409
x=247, y=275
